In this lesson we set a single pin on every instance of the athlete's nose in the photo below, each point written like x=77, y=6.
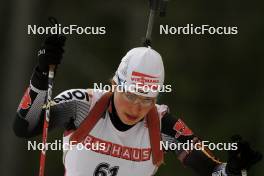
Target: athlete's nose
x=136, y=109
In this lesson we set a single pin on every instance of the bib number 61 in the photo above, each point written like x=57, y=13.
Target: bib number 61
x=104, y=169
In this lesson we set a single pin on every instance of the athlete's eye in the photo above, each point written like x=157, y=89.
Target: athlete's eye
x=147, y=100
x=133, y=98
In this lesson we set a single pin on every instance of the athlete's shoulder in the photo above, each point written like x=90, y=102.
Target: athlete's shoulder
x=162, y=109
x=95, y=95
x=72, y=95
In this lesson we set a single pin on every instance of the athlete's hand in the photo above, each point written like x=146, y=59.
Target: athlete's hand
x=242, y=158
x=51, y=52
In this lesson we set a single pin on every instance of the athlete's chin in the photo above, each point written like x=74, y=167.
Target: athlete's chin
x=131, y=122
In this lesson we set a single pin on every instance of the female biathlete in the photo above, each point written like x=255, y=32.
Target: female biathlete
x=126, y=123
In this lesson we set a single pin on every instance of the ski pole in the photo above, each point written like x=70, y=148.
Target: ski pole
x=46, y=120
x=155, y=6
x=51, y=73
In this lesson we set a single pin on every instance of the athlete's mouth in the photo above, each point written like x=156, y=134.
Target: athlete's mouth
x=130, y=117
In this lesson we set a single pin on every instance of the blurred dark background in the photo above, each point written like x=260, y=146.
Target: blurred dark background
x=217, y=79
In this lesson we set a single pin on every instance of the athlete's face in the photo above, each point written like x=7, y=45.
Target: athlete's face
x=132, y=108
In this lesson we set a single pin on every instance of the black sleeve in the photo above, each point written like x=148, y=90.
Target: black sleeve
x=26, y=123
x=175, y=130
x=20, y=128
x=20, y=125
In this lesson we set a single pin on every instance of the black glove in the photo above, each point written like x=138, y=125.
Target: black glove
x=51, y=52
x=242, y=158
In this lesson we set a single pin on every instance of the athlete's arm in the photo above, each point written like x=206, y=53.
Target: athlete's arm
x=68, y=109
x=30, y=113
x=203, y=162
